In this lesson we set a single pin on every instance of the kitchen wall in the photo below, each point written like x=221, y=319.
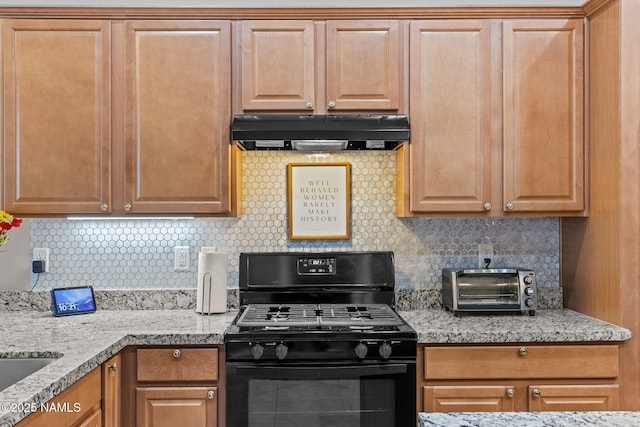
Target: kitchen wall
x=138, y=254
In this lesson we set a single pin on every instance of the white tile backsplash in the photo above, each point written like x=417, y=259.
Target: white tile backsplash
x=138, y=254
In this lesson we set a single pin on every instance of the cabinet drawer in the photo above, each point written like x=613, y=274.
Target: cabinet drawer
x=513, y=362
x=177, y=364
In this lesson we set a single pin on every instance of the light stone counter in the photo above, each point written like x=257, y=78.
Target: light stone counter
x=529, y=419
x=84, y=342
x=442, y=327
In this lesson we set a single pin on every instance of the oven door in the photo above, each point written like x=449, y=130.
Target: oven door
x=321, y=394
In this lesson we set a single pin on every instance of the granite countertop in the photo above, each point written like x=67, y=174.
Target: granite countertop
x=528, y=419
x=84, y=342
x=442, y=327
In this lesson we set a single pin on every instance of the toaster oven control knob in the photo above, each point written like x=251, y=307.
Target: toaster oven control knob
x=257, y=351
x=528, y=291
x=361, y=350
x=529, y=302
x=385, y=350
x=528, y=280
x=281, y=351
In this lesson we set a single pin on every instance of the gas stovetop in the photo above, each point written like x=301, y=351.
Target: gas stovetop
x=312, y=306
x=318, y=316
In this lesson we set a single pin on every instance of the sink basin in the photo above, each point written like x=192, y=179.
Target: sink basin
x=14, y=369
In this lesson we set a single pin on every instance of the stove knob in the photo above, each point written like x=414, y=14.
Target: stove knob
x=385, y=350
x=529, y=302
x=361, y=350
x=528, y=280
x=528, y=291
x=281, y=351
x=257, y=351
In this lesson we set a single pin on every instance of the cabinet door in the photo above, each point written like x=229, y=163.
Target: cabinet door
x=574, y=397
x=176, y=406
x=543, y=115
x=178, y=112
x=94, y=420
x=278, y=65
x=364, y=65
x=468, y=398
x=111, y=391
x=57, y=123
x=450, y=110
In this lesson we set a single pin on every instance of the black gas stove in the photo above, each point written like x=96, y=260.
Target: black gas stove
x=317, y=342
x=318, y=299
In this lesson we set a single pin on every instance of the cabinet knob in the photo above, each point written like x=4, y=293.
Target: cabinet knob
x=536, y=392
x=127, y=207
x=487, y=206
x=104, y=207
x=510, y=393
x=176, y=353
x=523, y=351
x=510, y=206
x=113, y=367
x=332, y=104
x=211, y=394
x=309, y=104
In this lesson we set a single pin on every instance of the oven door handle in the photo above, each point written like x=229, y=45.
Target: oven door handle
x=316, y=372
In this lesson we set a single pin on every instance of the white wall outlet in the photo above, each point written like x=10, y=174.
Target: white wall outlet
x=181, y=258
x=42, y=254
x=485, y=252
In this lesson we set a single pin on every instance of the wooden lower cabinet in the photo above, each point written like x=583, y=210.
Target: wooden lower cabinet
x=173, y=406
x=173, y=386
x=518, y=378
x=77, y=406
x=111, y=391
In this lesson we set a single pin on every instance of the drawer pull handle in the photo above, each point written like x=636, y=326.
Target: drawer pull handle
x=211, y=394
x=113, y=367
x=523, y=351
x=536, y=392
x=510, y=393
x=176, y=353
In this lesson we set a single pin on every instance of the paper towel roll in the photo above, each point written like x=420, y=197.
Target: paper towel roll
x=212, y=281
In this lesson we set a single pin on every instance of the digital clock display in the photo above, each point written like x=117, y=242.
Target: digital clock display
x=67, y=301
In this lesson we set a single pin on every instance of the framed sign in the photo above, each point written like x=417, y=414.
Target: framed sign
x=319, y=200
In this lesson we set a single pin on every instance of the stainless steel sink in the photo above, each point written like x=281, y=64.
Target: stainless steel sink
x=14, y=369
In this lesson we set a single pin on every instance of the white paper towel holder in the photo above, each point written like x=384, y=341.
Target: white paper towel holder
x=211, y=297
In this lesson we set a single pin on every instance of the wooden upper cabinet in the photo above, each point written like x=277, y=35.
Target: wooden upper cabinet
x=543, y=115
x=278, y=65
x=497, y=116
x=57, y=116
x=177, y=116
x=364, y=65
x=283, y=66
x=450, y=110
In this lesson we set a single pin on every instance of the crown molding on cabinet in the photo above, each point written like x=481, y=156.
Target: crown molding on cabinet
x=294, y=13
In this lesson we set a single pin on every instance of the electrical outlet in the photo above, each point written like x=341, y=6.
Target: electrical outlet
x=485, y=252
x=42, y=254
x=181, y=258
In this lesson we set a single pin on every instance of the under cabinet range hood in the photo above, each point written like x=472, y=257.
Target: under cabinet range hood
x=319, y=132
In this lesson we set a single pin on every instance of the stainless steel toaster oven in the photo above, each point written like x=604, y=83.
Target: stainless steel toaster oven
x=489, y=290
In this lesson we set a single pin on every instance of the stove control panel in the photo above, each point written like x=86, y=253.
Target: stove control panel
x=300, y=350
x=324, y=266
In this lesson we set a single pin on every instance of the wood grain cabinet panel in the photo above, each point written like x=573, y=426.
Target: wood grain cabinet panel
x=494, y=398
x=57, y=115
x=178, y=112
x=531, y=377
x=320, y=67
x=278, y=65
x=111, y=391
x=177, y=406
x=497, y=117
x=180, y=364
x=450, y=111
x=78, y=405
x=543, y=115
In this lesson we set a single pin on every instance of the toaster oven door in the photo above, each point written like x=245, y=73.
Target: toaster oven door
x=482, y=291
